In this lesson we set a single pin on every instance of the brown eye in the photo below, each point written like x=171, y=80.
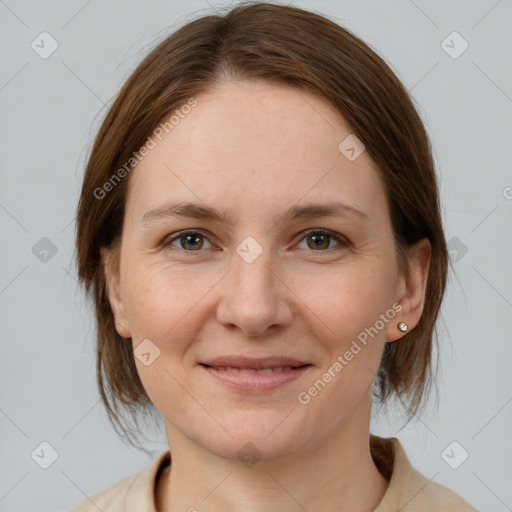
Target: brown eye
x=318, y=241
x=193, y=242
x=188, y=241
x=321, y=240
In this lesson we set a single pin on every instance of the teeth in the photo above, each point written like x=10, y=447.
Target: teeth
x=262, y=371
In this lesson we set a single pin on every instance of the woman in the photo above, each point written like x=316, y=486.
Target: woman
x=259, y=227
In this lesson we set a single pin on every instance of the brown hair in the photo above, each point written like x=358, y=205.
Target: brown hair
x=301, y=49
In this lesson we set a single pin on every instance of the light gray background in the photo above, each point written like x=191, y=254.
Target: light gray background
x=50, y=109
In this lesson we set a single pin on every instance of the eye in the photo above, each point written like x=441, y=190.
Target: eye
x=321, y=239
x=194, y=241
x=189, y=241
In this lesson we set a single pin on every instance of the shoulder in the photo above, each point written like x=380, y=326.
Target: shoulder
x=133, y=493
x=408, y=489
x=107, y=499
x=441, y=499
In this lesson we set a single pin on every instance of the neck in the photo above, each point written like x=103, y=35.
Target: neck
x=339, y=475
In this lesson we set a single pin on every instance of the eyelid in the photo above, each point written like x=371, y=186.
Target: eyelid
x=180, y=234
x=341, y=239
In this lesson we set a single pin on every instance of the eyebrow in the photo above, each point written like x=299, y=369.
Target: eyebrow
x=203, y=212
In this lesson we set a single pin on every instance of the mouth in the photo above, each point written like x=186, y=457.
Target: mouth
x=255, y=375
x=260, y=371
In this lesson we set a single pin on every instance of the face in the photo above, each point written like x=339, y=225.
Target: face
x=274, y=275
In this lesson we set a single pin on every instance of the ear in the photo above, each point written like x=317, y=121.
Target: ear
x=411, y=289
x=110, y=262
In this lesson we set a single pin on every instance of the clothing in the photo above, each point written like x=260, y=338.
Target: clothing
x=408, y=490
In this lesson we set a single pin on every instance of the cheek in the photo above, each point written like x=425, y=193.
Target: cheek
x=162, y=307
x=351, y=315
x=348, y=299
x=161, y=298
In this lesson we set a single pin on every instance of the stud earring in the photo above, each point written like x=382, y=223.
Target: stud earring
x=403, y=326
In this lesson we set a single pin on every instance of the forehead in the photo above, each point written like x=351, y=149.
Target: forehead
x=254, y=145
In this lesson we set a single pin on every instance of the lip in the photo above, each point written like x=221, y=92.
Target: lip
x=240, y=373
x=254, y=363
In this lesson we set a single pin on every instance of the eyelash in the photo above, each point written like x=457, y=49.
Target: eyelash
x=344, y=242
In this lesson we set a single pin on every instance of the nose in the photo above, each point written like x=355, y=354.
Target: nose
x=255, y=298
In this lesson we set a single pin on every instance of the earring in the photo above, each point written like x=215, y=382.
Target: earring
x=403, y=326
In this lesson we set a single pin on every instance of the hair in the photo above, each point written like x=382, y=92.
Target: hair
x=305, y=50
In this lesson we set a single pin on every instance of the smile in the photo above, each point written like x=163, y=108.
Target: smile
x=256, y=379
x=273, y=369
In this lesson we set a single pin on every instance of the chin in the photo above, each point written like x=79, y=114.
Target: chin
x=251, y=451
x=264, y=436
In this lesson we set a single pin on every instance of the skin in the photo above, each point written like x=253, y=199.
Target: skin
x=252, y=149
